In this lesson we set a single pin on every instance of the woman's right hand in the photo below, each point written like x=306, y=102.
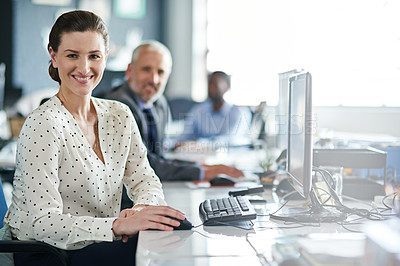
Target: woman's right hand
x=211, y=171
x=149, y=217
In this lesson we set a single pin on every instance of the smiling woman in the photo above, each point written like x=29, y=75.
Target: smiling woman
x=75, y=152
x=78, y=60
x=81, y=58
x=63, y=26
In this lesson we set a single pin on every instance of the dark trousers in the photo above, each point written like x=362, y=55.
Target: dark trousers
x=103, y=253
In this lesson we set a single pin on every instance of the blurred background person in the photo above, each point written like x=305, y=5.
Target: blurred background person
x=215, y=119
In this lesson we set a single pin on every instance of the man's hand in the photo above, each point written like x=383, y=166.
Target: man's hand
x=211, y=171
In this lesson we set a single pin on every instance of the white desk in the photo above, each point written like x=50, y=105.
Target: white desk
x=241, y=157
x=192, y=247
x=219, y=245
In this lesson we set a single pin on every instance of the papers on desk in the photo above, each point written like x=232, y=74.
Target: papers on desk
x=206, y=184
x=248, y=180
x=198, y=184
x=248, y=177
x=333, y=249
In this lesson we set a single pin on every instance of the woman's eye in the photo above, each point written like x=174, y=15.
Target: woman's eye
x=94, y=56
x=72, y=56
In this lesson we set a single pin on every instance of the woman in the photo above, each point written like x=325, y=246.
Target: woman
x=75, y=152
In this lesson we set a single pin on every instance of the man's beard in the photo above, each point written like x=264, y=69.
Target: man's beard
x=216, y=99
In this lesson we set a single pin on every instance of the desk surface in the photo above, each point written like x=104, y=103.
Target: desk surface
x=241, y=157
x=214, y=245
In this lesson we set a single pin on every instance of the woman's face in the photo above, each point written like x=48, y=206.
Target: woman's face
x=80, y=60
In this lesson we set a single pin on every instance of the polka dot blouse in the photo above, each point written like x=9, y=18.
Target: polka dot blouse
x=64, y=194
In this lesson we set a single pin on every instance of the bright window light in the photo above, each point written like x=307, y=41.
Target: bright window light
x=351, y=48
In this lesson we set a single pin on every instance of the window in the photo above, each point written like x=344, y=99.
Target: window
x=351, y=48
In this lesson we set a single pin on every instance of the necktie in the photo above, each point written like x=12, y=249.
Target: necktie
x=151, y=130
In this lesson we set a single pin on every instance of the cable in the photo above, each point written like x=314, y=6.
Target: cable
x=363, y=213
x=332, y=193
x=285, y=227
x=350, y=230
x=287, y=195
x=279, y=227
x=263, y=260
x=197, y=225
x=280, y=207
x=326, y=193
x=393, y=200
x=207, y=236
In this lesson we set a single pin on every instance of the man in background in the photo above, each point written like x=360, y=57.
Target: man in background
x=215, y=119
x=147, y=76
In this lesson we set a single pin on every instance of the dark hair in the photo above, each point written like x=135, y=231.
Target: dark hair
x=74, y=21
x=223, y=75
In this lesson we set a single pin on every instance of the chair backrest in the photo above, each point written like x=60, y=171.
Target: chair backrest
x=3, y=205
x=9, y=246
x=180, y=107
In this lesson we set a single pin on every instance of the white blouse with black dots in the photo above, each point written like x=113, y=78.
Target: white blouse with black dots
x=64, y=194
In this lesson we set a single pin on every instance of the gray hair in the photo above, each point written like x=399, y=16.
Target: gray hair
x=153, y=45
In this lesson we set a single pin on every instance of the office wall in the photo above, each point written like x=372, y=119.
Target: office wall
x=366, y=124
x=185, y=34
x=359, y=120
x=178, y=29
x=32, y=24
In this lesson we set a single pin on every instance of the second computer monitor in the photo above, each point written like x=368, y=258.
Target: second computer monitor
x=300, y=131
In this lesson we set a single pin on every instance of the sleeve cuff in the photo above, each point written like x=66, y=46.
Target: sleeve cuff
x=103, y=229
x=201, y=173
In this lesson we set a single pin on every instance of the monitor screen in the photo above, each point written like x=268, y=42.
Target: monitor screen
x=299, y=150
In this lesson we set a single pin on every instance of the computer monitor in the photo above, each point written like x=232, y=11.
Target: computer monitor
x=299, y=155
x=300, y=131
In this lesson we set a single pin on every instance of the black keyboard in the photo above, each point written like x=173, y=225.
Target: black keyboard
x=226, y=210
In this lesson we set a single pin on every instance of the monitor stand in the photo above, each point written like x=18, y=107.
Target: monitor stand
x=315, y=213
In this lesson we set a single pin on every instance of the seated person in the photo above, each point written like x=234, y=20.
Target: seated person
x=147, y=75
x=75, y=153
x=215, y=119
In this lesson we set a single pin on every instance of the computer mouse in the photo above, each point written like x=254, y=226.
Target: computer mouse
x=185, y=224
x=222, y=181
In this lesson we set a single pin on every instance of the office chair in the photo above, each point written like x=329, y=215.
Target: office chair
x=9, y=246
x=180, y=107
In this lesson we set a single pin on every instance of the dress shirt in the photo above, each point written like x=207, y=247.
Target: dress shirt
x=166, y=169
x=203, y=122
x=151, y=140
x=64, y=194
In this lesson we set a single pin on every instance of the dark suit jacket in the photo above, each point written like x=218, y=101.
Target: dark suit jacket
x=167, y=170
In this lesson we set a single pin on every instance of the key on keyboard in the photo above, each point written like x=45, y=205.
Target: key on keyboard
x=226, y=210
